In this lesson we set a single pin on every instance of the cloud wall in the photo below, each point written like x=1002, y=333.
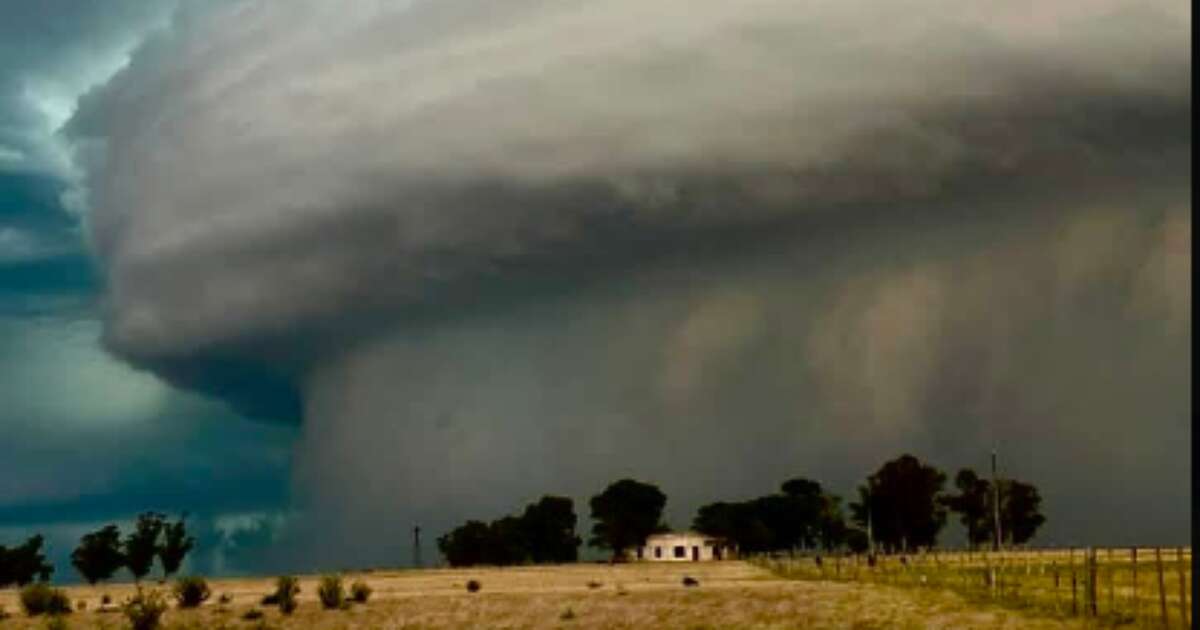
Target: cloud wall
x=481, y=247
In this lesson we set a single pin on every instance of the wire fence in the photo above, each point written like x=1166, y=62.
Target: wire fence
x=1146, y=587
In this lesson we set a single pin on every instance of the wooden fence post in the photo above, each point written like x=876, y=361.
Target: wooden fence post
x=1183, y=607
x=1092, y=607
x=1112, y=601
x=1054, y=569
x=1136, y=603
x=1074, y=601
x=1162, y=589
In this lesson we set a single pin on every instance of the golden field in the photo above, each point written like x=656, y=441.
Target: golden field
x=730, y=595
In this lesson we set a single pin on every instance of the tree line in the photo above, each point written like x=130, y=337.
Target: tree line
x=102, y=553
x=901, y=507
x=543, y=533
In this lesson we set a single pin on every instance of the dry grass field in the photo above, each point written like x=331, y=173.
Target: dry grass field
x=1126, y=587
x=591, y=596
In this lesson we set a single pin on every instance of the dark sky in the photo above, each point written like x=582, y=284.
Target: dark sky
x=300, y=269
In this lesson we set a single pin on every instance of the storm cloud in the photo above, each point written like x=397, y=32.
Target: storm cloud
x=492, y=250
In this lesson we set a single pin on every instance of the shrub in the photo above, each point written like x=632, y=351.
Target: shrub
x=105, y=599
x=331, y=592
x=225, y=598
x=252, y=614
x=360, y=592
x=473, y=586
x=42, y=599
x=594, y=584
x=690, y=581
x=286, y=589
x=192, y=591
x=56, y=622
x=145, y=609
x=567, y=615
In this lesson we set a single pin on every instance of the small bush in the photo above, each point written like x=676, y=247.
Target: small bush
x=225, y=598
x=56, y=622
x=360, y=592
x=105, y=599
x=594, y=584
x=252, y=614
x=473, y=586
x=145, y=609
x=42, y=599
x=271, y=599
x=567, y=615
x=286, y=589
x=690, y=581
x=331, y=592
x=190, y=592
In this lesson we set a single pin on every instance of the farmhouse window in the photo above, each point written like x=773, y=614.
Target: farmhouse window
x=680, y=551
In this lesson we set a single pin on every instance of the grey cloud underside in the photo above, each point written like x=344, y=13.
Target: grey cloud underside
x=1086, y=139
x=488, y=253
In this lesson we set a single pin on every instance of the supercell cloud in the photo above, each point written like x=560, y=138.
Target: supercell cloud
x=492, y=249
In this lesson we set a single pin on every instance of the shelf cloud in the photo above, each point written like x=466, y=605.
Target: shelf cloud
x=523, y=242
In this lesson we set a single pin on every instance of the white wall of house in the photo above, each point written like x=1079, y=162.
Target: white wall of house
x=682, y=547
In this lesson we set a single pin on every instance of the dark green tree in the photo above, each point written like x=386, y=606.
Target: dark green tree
x=98, y=555
x=466, y=545
x=906, y=508
x=24, y=563
x=805, y=500
x=973, y=506
x=831, y=524
x=142, y=544
x=1020, y=509
x=802, y=514
x=506, y=542
x=1020, y=512
x=175, y=546
x=625, y=513
x=746, y=524
x=549, y=530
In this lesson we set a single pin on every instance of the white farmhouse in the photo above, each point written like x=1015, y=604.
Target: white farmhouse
x=683, y=547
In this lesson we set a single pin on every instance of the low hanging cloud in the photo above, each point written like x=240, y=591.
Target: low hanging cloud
x=498, y=245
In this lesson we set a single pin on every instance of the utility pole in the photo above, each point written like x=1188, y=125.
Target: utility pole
x=995, y=503
x=417, y=546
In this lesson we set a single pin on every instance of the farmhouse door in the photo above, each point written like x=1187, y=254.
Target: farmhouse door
x=695, y=554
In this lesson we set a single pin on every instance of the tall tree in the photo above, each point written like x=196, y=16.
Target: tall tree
x=98, y=555
x=831, y=524
x=549, y=530
x=1020, y=511
x=466, y=545
x=972, y=504
x=746, y=524
x=906, y=510
x=804, y=499
x=544, y=532
x=141, y=545
x=625, y=514
x=24, y=563
x=176, y=545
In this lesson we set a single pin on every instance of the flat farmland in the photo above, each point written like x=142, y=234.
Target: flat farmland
x=729, y=595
